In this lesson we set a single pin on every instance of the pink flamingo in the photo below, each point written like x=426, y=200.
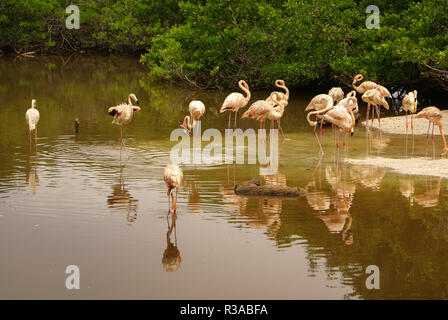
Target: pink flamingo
x=235, y=101
x=173, y=177
x=197, y=109
x=320, y=104
x=434, y=116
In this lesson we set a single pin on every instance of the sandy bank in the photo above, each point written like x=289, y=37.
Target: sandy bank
x=413, y=166
x=397, y=125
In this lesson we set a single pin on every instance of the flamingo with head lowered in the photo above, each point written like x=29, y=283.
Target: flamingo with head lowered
x=123, y=114
x=434, y=116
x=197, y=109
x=320, y=104
x=235, y=101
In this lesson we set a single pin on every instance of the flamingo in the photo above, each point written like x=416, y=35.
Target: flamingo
x=321, y=104
x=409, y=104
x=173, y=177
x=261, y=108
x=123, y=115
x=350, y=102
x=341, y=118
x=235, y=101
x=374, y=97
x=434, y=116
x=281, y=95
x=32, y=118
x=368, y=85
x=276, y=113
x=336, y=93
x=197, y=109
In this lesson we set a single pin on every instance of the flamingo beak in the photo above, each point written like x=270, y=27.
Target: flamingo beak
x=352, y=131
x=136, y=101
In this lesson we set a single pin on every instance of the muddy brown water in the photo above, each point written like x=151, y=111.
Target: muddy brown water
x=76, y=199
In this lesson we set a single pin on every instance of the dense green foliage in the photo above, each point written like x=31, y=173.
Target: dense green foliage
x=303, y=41
x=118, y=25
x=216, y=43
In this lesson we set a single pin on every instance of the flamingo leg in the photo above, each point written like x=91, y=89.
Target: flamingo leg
x=367, y=115
x=234, y=123
x=412, y=129
x=35, y=136
x=30, y=139
x=175, y=203
x=280, y=129
x=427, y=137
x=122, y=138
x=320, y=130
x=406, y=134
x=377, y=108
x=433, y=145
x=321, y=151
x=230, y=116
x=169, y=209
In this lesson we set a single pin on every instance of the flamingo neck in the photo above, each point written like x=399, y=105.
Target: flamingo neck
x=241, y=85
x=187, y=122
x=284, y=88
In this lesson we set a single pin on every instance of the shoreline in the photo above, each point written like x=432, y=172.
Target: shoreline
x=397, y=125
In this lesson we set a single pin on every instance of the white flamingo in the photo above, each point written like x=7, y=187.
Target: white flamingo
x=235, y=101
x=197, y=109
x=123, y=114
x=32, y=118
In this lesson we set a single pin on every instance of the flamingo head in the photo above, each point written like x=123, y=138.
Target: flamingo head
x=351, y=94
x=133, y=97
x=244, y=84
x=33, y=103
x=185, y=128
x=357, y=78
x=279, y=83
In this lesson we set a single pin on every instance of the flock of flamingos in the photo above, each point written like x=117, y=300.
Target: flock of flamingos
x=332, y=108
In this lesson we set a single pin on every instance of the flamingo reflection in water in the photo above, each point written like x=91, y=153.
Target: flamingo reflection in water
x=32, y=180
x=332, y=206
x=427, y=199
x=171, y=256
x=368, y=176
x=121, y=200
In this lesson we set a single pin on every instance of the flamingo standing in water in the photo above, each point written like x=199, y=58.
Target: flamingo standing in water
x=235, y=101
x=350, y=102
x=123, y=115
x=173, y=177
x=32, y=118
x=320, y=104
x=434, y=116
x=276, y=114
x=368, y=85
x=337, y=94
x=409, y=104
x=374, y=97
x=341, y=118
x=197, y=109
